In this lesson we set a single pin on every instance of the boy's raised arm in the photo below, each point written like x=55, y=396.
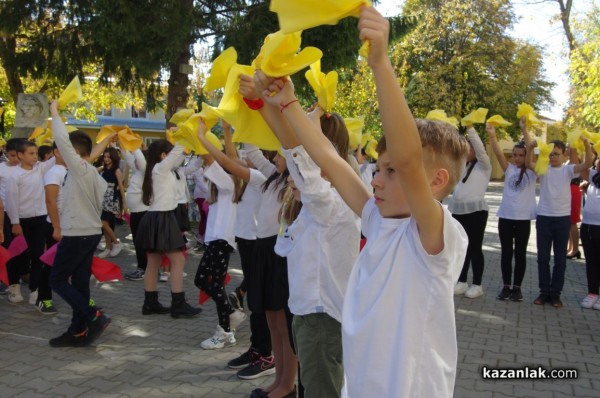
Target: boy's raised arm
x=402, y=136
x=338, y=171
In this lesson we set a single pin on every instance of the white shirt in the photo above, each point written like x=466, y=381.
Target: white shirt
x=55, y=176
x=221, y=214
x=398, y=318
x=200, y=187
x=266, y=219
x=469, y=196
x=518, y=201
x=591, y=210
x=5, y=173
x=366, y=174
x=323, y=242
x=247, y=208
x=555, y=191
x=164, y=182
x=137, y=164
x=190, y=168
x=25, y=196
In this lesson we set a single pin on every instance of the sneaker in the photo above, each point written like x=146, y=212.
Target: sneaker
x=116, y=249
x=136, y=275
x=555, y=301
x=104, y=254
x=244, y=360
x=505, y=293
x=541, y=299
x=96, y=326
x=515, y=294
x=263, y=366
x=460, y=288
x=589, y=300
x=33, y=296
x=46, y=307
x=236, y=299
x=100, y=247
x=70, y=340
x=597, y=305
x=220, y=339
x=200, y=247
x=14, y=294
x=164, y=276
x=474, y=291
x=235, y=318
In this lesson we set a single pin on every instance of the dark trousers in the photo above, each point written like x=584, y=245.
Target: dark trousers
x=203, y=217
x=210, y=277
x=590, y=239
x=474, y=225
x=74, y=259
x=514, y=236
x=552, y=234
x=16, y=266
x=140, y=254
x=35, y=231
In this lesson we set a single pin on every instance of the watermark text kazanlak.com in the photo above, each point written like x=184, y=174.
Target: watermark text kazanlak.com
x=527, y=372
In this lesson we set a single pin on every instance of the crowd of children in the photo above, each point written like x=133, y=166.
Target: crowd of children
x=317, y=304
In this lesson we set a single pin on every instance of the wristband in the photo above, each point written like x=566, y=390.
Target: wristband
x=288, y=104
x=254, y=104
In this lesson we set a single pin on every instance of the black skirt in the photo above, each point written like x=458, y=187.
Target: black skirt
x=268, y=287
x=183, y=218
x=158, y=232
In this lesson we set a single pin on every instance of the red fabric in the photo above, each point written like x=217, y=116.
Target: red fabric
x=17, y=246
x=165, y=260
x=575, y=204
x=4, y=257
x=105, y=271
x=48, y=256
x=127, y=218
x=254, y=104
x=203, y=297
x=363, y=242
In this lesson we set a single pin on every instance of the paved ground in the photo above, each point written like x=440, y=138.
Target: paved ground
x=156, y=356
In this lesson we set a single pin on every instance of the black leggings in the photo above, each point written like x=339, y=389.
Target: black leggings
x=517, y=232
x=590, y=239
x=210, y=277
x=140, y=253
x=474, y=225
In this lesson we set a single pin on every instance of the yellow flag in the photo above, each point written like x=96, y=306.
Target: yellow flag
x=498, y=121
x=71, y=94
x=527, y=111
x=543, y=160
x=128, y=140
x=181, y=116
x=324, y=86
x=475, y=117
x=371, y=151
x=279, y=54
x=354, y=125
x=220, y=69
x=440, y=115
x=574, y=141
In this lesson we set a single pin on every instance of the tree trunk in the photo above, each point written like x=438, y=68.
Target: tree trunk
x=8, y=50
x=565, y=18
x=178, y=85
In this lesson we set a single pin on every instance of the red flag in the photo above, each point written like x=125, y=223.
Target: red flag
x=105, y=271
x=203, y=297
x=17, y=246
x=4, y=257
x=165, y=260
x=48, y=256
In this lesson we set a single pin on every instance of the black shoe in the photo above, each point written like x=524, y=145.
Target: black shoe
x=576, y=255
x=152, y=305
x=244, y=360
x=515, y=294
x=541, y=299
x=181, y=309
x=555, y=301
x=263, y=366
x=505, y=293
x=70, y=340
x=236, y=299
x=97, y=326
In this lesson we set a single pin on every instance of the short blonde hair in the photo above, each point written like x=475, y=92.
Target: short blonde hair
x=443, y=147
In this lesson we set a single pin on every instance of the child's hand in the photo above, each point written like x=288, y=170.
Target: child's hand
x=490, y=129
x=54, y=108
x=17, y=230
x=533, y=144
x=247, y=88
x=201, y=128
x=584, y=139
x=376, y=29
x=226, y=127
x=1, y=236
x=314, y=113
x=523, y=123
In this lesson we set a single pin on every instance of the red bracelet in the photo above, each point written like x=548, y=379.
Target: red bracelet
x=288, y=104
x=254, y=104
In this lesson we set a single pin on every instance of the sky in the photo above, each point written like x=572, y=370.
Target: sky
x=537, y=24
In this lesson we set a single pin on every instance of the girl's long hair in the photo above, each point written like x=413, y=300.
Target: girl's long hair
x=155, y=150
x=521, y=145
x=114, y=157
x=280, y=181
x=213, y=191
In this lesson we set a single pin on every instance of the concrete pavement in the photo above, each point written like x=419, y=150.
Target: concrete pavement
x=157, y=356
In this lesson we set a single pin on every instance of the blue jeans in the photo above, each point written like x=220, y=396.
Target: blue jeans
x=74, y=259
x=552, y=233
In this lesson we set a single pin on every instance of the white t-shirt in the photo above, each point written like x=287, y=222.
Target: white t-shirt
x=55, y=176
x=591, y=210
x=398, y=318
x=518, y=201
x=137, y=164
x=5, y=173
x=164, y=182
x=247, y=208
x=366, y=174
x=323, y=242
x=221, y=214
x=200, y=187
x=25, y=196
x=555, y=191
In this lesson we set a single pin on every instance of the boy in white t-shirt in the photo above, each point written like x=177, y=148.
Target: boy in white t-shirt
x=402, y=283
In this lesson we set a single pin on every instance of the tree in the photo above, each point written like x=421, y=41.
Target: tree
x=460, y=57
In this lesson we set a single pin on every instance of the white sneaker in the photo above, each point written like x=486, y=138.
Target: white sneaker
x=14, y=294
x=220, y=339
x=596, y=306
x=116, y=249
x=104, y=254
x=474, y=291
x=589, y=300
x=33, y=296
x=235, y=318
x=460, y=288
x=164, y=276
